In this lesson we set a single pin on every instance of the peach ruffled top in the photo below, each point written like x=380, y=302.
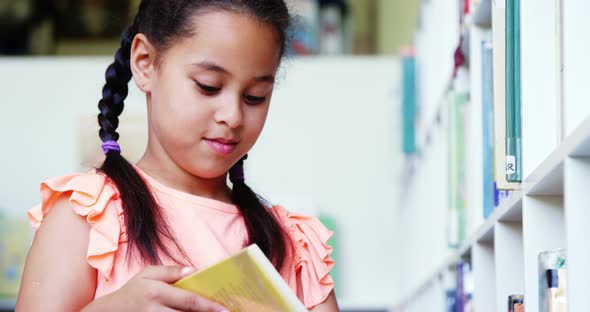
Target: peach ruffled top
x=208, y=230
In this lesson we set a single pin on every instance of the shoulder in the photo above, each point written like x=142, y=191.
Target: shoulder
x=57, y=257
x=88, y=194
x=91, y=198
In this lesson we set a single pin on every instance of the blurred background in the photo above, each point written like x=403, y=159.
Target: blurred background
x=446, y=142
x=93, y=27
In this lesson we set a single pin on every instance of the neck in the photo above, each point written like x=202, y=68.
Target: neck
x=160, y=167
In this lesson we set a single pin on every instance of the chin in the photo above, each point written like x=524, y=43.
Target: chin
x=208, y=169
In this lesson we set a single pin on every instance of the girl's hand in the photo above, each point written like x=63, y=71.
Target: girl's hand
x=150, y=290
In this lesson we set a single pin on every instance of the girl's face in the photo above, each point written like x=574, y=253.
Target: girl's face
x=209, y=95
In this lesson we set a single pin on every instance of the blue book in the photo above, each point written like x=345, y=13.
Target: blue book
x=451, y=297
x=460, y=293
x=489, y=187
x=408, y=104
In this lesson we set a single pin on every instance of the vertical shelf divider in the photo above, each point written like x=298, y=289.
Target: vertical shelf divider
x=577, y=215
x=543, y=230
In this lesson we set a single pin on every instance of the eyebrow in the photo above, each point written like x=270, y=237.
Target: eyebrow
x=214, y=67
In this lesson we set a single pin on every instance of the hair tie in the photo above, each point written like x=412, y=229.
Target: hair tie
x=111, y=145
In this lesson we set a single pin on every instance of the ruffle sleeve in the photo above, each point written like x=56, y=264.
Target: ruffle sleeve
x=311, y=260
x=94, y=197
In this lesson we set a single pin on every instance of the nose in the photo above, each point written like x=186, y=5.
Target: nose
x=230, y=111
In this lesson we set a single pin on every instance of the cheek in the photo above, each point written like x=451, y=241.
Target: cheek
x=254, y=123
x=178, y=117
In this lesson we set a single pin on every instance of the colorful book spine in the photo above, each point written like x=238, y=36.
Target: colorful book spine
x=553, y=281
x=516, y=303
x=460, y=293
x=457, y=215
x=408, y=106
x=489, y=186
x=499, y=84
x=451, y=295
x=513, y=98
x=463, y=301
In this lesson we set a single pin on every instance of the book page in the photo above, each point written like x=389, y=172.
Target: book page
x=240, y=284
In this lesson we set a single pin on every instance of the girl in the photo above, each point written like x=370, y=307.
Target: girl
x=115, y=239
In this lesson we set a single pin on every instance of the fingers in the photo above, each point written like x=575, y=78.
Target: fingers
x=183, y=300
x=167, y=274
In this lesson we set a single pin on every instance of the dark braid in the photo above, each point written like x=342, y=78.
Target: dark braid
x=262, y=227
x=163, y=22
x=139, y=206
x=116, y=89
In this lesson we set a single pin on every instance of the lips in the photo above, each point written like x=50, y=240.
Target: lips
x=222, y=146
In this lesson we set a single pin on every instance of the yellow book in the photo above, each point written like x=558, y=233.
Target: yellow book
x=246, y=281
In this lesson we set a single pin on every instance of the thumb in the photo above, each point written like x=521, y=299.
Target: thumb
x=167, y=273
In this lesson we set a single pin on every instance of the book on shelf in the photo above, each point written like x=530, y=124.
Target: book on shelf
x=513, y=98
x=246, y=281
x=487, y=92
x=492, y=196
x=482, y=13
x=499, y=98
x=460, y=292
x=516, y=303
x=553, y=281
x=409, y=109
x=457, y=282
x=464, y=287
x=458, y=99
x=449, y=283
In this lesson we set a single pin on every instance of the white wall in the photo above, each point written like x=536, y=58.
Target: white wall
x=330, y=145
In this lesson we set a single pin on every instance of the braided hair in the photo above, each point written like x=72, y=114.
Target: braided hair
x=162, y=22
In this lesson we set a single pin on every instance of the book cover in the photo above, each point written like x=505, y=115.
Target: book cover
x=246, y=281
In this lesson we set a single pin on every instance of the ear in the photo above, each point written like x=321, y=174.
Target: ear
x=142, y=62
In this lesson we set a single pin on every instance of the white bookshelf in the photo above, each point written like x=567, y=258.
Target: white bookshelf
x=550, y=210
x=504, y=248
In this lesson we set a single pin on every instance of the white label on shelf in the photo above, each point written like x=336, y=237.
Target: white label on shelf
x=510, y=164
x=500, y=4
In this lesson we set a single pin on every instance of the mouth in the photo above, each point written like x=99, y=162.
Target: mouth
x=221, y=146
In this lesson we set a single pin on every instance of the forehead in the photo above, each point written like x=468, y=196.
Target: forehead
x=236, y=41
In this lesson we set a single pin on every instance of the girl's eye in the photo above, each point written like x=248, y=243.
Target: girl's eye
x=253, y=100
x=208, y=89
